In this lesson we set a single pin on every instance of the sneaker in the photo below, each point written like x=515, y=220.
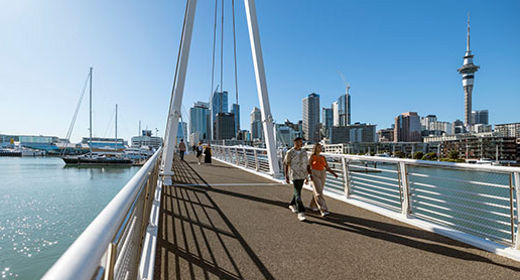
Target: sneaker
x=293, y=208
x=325, y=213
x=315, y=209
x=301, y=217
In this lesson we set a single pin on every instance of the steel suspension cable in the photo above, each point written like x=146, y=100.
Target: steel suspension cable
x=213, y=57
x=235, y=51
x=222, y=53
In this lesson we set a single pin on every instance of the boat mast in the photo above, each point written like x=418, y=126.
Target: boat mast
x=115, y=147
x=90, y=128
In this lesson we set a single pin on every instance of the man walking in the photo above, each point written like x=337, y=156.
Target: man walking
x=182, y=149
x=295, y=163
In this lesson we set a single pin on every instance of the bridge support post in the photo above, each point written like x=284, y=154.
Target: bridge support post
x=261, y=86
x=406, y=207
x=346, y=177
x=177, y=92
x=516, y=176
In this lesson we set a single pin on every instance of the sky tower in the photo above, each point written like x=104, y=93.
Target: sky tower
x=467, y=71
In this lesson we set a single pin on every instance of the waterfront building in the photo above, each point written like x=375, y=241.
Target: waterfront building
x=200, y=122
x=480, y=117
x=407, y=128
x=508, y=129
x=48, y=144
x=407, y=148
x=219, y=104
x=467, y=71
x=225, y=126
x=146, y=139
x=385, y=135
x=356, y=133
x=311, y=117
x=257, y=131
x=100, y=144
x=327, y=116
x=235, y=109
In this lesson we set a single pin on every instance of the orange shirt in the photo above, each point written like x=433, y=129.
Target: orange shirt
x=318, y=162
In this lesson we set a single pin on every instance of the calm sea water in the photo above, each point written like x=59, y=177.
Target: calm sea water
x=44, y=207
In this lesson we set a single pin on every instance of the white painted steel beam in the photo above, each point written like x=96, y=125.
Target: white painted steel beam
x=261, y=85
x=177, y=92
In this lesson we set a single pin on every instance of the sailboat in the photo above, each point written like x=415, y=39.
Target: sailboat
x=97, y=158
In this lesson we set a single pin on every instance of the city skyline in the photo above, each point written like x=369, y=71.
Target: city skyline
x=133, y=57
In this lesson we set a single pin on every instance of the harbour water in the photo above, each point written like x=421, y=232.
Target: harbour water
x=44, y=207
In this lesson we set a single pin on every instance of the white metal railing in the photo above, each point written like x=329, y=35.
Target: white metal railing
x=110, y=247
x=478, y=200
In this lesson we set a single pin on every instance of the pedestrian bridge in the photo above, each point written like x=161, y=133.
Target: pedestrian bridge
x=229, y=221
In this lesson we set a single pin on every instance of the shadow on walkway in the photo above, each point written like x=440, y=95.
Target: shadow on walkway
x=196, y=240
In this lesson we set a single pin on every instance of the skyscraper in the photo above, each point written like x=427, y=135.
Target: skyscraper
x=480, y=117
x=407, y=128
x=311, y=117
x=326, y=114
x=344, y=108
x=219, y=104
x=235, y=109
x=256, y=124
x=225, y=126
x=200, y=120
x=467, y=71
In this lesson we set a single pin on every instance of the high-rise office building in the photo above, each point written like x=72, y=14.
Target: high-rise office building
x=426, y=121
x=235, y=109
x=328, y=121
x=219, y=104
x=344, y=108
x=311, y=117
x=200, y=120
x=225, y=126
x=458, y=127
x=407, y=128
x=182, y=131
x=480, y=117
x=335, y=113
x=467, y=71
x=256, y=124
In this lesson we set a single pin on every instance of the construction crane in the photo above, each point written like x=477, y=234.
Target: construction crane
x=347, y=85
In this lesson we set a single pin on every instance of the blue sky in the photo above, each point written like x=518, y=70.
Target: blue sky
x=397, y=55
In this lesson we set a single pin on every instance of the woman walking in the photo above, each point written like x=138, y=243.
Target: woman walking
x=317, y=170
x=207, y=154
x=199, y=151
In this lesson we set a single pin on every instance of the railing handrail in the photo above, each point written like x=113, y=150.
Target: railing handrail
x=83, y=257
x=478, y=167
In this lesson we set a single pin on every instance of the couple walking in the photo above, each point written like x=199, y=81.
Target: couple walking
x=298, y=168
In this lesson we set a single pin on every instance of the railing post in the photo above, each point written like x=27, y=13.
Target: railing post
x=245, y=157
x=237, y=160
x=256, y=160
x=111, y=261
x=516, y=176
x=406, y=205
x=346, y=177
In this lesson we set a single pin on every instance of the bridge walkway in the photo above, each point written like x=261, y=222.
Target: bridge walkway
x=220, y=222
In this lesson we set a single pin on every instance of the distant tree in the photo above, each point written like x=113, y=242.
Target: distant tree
x=399, y=154
x=453, y=154
x=418, y=155
x=430, y=156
